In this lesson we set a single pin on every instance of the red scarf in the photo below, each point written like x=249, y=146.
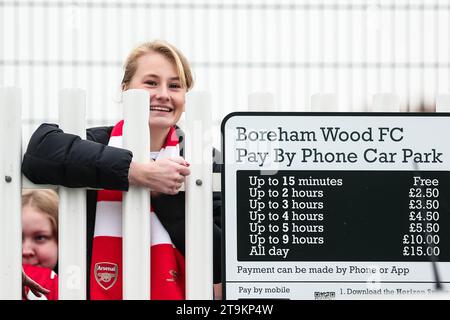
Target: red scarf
x=167, y=263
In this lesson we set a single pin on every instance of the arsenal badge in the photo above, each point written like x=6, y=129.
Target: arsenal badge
x=106, y=274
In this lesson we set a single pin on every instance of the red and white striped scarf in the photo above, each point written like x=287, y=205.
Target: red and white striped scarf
x=167, y=263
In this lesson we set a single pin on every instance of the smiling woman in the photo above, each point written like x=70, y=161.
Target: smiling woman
x=163, y=71
x=54, y=157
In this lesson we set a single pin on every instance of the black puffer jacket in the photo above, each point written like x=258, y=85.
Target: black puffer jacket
x=55, y=157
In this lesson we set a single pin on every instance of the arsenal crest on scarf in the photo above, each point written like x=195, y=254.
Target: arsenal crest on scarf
x=106, y=274
x=167, y=263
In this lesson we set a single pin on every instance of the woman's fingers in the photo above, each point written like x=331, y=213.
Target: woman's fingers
x=175, y=188
x=183, y=167
x=181, y=161
x=165, y=175
x=184, y=171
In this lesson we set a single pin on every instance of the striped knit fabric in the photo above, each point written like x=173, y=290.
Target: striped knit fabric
x=167, y=263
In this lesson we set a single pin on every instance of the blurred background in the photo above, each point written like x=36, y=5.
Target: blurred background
x=293, y=49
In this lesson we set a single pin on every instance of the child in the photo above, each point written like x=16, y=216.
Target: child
x=39, y=243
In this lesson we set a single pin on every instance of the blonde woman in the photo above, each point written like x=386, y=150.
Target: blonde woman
x=55, y=157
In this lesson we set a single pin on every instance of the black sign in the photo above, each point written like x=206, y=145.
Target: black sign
x=343, y=215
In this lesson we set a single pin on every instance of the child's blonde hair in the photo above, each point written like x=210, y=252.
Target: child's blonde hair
x=45, y=200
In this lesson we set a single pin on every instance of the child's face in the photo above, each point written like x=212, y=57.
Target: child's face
x=39, y=244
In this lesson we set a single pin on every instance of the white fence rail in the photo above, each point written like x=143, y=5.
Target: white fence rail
x=72, y=207
x=10, y=194
x=135, y=225
x=72, y=210
x=198, y=193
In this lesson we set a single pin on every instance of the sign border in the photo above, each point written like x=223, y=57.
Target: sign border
x=292, y=113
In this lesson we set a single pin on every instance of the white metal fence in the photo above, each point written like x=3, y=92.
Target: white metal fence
x=72, y=246
x=292, y=48
x=72, y=207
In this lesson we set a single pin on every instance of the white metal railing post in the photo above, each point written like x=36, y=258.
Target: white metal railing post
x=72, y=207
x=385, y=102
x=261, y=101
x=199, y=217
x=10, y=194
x=136, y=202
x=324, y=102
x=443, y=103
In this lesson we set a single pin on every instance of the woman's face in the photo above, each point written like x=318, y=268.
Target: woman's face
x=39, y=243
x=156, y=74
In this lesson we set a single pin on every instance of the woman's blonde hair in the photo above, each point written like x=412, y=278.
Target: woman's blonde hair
x=45, y=200
x=167, y=50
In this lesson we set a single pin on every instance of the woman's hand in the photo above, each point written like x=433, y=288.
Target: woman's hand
x=35, y=287
x=165, y=175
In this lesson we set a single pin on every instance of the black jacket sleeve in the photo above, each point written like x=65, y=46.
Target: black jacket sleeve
x=55, y=157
